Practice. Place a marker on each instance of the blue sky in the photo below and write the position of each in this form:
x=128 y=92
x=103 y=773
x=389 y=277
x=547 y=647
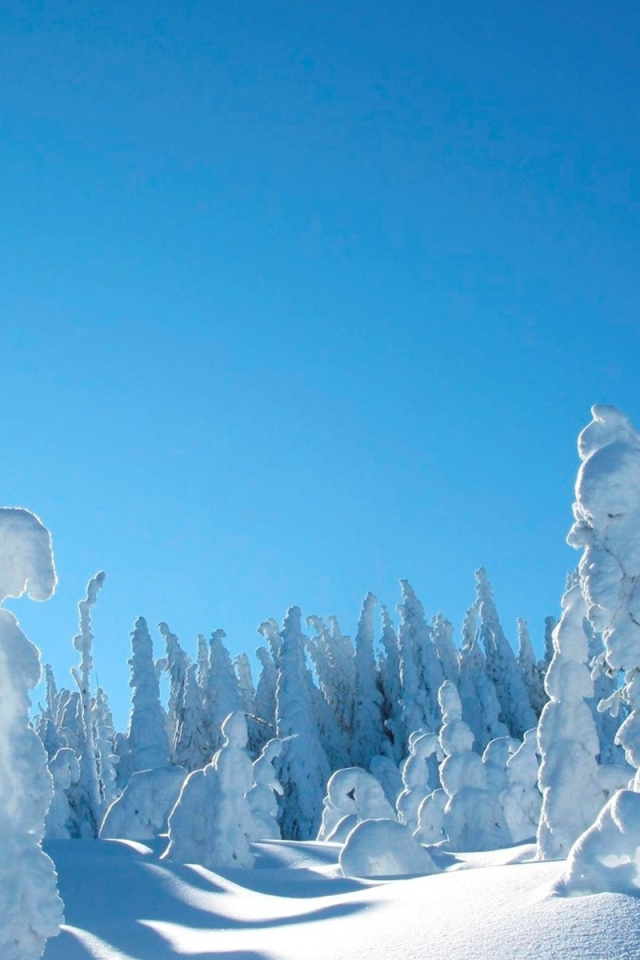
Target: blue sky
x=300 y=298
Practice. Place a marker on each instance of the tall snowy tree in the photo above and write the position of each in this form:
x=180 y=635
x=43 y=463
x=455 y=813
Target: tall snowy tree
x=567 y=737
x=86 y=793
x=147 y=733
x=368 y=733
x=420 y=669
x=303 y=770
x=333 y=658
x=480 y=706
x=266 y=691
x=442 y=633
x=223 y=693
x=177 y=663
x=30 y=907
x=192 y=736
x=607 y=527
x=502 y=666
x=392 y=711
x=529 y=668
x=105 y=752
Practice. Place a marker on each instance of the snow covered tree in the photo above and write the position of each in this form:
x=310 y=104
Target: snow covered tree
x=480 y=706
x=263 y=796
x=177 y=663
x=104 y=743
x=607 y=526
x=368 y=733
x=65 y=771
x=521 y=800
x=392 y=711
x=353 y=795
x=266 y=690
x=417 y=778
x=442 y=633
x=86 y=794
x=223 y=693
x=147 y=733
x=567 y=737
x=529 y=669
x=473 y=817
x=333 y=658
x=211 y=822
x=258 y=735
x=192 y=735
x=420 y=669
x=502 y=666
x=30 y=907
x=304 y=769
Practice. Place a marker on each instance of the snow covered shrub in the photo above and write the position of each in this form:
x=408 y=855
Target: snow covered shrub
x=416 y=776
x=30 y=908
x=606 y=857
x=263 y=795
x=142 y=810
x=211 y=822
x=384 y=848
x=64 y=770
x=355 y=794
x=521 y=800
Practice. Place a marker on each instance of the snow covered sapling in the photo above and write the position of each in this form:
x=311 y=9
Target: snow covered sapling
x=529 y=668
x=420 y=669
x=521 y=800
x=65 y=771
x=416 y=776
x=480 y=705
x=30 y=907
x=87 y=799
x=223 y=692
x=473 y=815
x=211 y=823
x=264 y=793
x=177 y=663
x=567 y=737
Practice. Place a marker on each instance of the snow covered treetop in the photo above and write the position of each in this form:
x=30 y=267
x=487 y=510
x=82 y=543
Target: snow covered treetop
x=608 y=482
x=26 y=557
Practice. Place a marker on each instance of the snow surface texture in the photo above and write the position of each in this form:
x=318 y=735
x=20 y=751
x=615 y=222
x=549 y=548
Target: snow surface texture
x=30 y=909
x=211 y=823
x=384 y=848
x=142 y=810
x=295 y=905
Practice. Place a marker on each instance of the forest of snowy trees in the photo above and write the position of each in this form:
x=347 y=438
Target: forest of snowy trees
x=398 y=739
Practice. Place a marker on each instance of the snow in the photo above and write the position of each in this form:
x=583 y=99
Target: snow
x=295 y=905
x=384 y=848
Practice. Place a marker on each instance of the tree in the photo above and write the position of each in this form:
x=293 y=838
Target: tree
x=147 y=733
x=502 y=667
x=368 y=733
x=30 y=907
x=304 y=769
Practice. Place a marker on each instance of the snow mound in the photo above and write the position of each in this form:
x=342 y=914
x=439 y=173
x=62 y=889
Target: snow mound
x=606 y=857
x=384 y=848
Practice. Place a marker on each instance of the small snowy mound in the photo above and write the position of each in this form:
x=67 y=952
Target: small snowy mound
x=384 y=848
x=606 y=858
x=142 y=810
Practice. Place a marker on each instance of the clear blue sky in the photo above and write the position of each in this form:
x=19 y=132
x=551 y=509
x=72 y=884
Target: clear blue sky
x=300 y=298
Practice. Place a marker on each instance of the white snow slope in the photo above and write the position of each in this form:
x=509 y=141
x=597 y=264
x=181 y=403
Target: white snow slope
x=123 y=903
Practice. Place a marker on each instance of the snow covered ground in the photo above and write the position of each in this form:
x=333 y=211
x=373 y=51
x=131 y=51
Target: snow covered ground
x=123 y=903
